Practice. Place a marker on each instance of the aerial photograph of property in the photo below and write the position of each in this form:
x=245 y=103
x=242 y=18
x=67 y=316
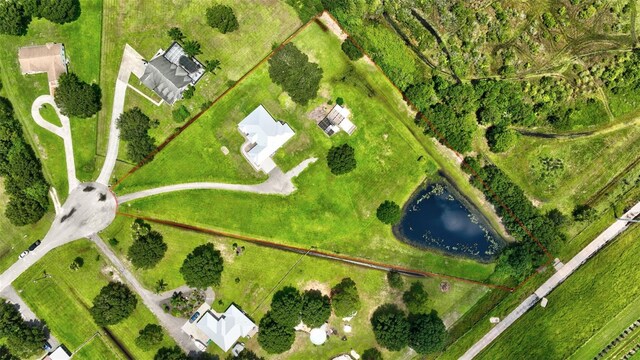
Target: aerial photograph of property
x=319 y=179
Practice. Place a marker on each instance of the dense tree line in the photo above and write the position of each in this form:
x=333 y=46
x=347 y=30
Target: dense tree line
x=148 y=247
x=23 y=179
x=509 y=199
x=291 y=69
x=134 y=128
x=15 y=15
x=77 y=98
x=23 y=339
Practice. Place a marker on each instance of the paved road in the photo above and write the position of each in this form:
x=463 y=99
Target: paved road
x=89 y=208
x=171 y=324
x=64 y=132
x=561 y=275
x=279 y=183
x=132 y=62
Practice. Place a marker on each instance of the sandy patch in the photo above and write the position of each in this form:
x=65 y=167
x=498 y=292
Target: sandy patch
x=332 y=25
x=111 y=272
x=316 y=285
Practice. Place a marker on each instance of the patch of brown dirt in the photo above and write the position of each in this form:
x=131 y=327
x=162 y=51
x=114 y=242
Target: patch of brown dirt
x=316 y=285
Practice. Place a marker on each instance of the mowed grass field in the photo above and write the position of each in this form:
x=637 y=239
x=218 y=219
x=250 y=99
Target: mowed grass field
x=144 y=25
x=82 y=45
x=262 y=271
x=334 y=213
x=63 y=300
x=578 y=310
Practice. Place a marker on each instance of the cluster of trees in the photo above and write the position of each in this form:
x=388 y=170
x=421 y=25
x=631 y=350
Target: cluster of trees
x=23 y=179
x=16 y=15
x=389 y=212
x=203 y=267
x=134 y=128
x=114 y=303
x=175 y=353
x=148 y=247
x=22 y=339
x=289 y=307
x=291 y=69
x=393 y=329
x=341 y=159
x=221 y=17
x=508 y=198
x=77 y=98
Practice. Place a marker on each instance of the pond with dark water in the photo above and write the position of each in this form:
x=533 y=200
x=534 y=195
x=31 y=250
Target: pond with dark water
x=438 y=218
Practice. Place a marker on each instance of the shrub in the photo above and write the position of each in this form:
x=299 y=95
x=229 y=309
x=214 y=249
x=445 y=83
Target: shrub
x=584 y=212
x=114 y=242
x=202 y=267
x=167 y=353
x=344 y=298
x=191 y=48
x=75 y=97
x=395 y=279
x=389 y=212
x=291 y=69
x=351 y=49
x=427 y=333
x=221 y=17
x=372 y=354
x=149 y=337
x=286 y=306
x=341 y=159
x=316 y=308
x=114 y=303
x=416 y=298
x=390 y=327
x=188 y=92
x=175 y=34
x=180 y=114
x=274 y=337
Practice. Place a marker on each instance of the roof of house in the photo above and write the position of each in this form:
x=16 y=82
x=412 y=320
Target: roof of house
x=47 y=58
x=176 y=55
x=226 y=329
x=60 y=353
x=264 y=134
x=165 y=79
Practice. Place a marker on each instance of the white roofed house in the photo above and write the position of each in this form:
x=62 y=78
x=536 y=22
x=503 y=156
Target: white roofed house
x=265 y=136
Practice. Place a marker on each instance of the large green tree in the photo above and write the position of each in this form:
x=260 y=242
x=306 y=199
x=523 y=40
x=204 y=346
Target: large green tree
x=416 y=298
x=291 y=69
x=286 y=306
x=344 y=298
x=427 y=333
x=60 y=11
x=501 y=138
x=341 y=159
x=170 y=353
x=114 y=303
x=14 y=20
x=390 y=327
x=221 y=17
x=274 y=337
x=316 y=308
x=134 y=128
x=151 y=335
x=389 y=212
x=76 y=98
x=202 y=267
x=147 y=249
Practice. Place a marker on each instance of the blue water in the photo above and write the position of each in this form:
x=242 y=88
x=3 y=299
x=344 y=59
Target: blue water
x=435 y=219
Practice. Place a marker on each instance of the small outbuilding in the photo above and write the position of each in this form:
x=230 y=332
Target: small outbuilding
x=49 y=58
x=60 y=353
x=336 y=120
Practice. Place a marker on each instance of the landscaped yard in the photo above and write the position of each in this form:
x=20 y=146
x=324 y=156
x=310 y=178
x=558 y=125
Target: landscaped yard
x=579 y=308
x=334 y=213
x=259 y=271
x=64 y=297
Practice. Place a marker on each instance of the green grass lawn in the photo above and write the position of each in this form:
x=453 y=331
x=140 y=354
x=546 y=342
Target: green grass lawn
x=260 y=271
x=63 y=301
x=144 y=24
x=610 y=280
x=334 y=213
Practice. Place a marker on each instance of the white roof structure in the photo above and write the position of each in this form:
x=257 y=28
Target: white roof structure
x=226 y=329
x=318 y=336
x=59 y=354
x=265 y=136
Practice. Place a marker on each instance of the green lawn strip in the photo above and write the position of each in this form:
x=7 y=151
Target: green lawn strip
x=98 y=349
x=83 y=132
x=14 y=239
x=587 y=161
x=143 y=25
x=609 y=332
x=569 y=320
x=49 y=114
x=260 y=269
x=63 y=299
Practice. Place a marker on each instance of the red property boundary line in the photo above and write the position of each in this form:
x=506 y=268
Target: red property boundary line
x=316 y=253
x=411 y=105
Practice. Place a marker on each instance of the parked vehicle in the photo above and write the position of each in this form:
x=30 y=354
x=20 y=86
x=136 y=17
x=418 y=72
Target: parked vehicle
x=47 y=346
x=34 y=245
x=194 y=317
x=24 y=253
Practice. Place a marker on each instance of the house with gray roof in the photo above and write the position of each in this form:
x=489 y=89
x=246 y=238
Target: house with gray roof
x=170 y=72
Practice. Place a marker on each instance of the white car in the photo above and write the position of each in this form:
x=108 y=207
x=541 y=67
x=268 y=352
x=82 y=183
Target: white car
x=24 y=253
